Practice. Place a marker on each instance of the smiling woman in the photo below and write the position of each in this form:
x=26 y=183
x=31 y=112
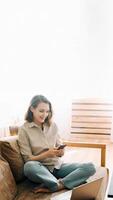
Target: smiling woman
x=42 y=151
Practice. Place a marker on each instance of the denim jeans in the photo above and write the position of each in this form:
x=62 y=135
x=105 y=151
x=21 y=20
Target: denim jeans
x=71 y=174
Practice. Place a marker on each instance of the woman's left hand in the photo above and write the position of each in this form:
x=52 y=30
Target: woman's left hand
x=60 y=152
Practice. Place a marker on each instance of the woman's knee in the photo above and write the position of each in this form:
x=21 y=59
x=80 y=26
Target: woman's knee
x=31 y=167
x=89 y=168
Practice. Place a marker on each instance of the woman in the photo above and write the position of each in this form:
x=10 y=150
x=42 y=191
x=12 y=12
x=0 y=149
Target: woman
x=39 y=143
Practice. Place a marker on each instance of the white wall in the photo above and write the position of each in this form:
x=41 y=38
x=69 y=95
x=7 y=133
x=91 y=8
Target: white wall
x=62 y=49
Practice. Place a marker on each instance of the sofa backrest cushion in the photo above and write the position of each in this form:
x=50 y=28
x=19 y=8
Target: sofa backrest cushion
x=10 y=151
x=8 y=188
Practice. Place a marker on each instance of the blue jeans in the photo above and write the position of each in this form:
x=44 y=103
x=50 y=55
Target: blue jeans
x=71 y=175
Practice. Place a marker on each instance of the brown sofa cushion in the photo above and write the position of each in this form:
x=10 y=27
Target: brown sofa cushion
x=8 y=187
x=10 y=151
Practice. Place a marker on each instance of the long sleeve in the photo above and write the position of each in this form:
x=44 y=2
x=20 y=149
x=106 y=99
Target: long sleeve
x=24 y=144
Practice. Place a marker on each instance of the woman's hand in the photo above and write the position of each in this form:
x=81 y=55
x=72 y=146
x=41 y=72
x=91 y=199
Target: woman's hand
x=50 y=153
x=61 y=152
x=55 y=152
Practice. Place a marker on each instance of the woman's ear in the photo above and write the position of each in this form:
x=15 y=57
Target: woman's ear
x=31 y=109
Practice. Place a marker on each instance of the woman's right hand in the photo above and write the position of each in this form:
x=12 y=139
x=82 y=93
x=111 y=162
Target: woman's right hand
x=52 y=152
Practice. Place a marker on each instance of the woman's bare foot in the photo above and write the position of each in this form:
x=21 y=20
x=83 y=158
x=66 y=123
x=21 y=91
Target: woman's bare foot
x=41 y=190
x=60 y=186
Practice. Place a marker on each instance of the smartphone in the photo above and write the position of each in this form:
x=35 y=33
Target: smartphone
x=61 y=146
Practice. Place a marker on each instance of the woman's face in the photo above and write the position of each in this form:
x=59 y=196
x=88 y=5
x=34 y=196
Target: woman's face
x=40 y=113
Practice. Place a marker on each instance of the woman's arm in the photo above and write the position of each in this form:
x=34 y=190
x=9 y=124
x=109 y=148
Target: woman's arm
x=50 y=153
x=24 y=144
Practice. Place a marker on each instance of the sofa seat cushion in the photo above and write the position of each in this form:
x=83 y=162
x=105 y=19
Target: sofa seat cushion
x=25 y=192
x=8 y=188
x=10 y=151
x=25 y=188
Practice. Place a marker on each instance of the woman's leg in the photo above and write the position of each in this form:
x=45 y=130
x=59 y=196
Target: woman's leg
x=74 y=174
x=38 y=173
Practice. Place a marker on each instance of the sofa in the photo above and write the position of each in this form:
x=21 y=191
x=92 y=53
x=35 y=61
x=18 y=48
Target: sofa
x=15 y=186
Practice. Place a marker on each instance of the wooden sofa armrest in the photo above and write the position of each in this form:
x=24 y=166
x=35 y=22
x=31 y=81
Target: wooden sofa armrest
x=101 y=146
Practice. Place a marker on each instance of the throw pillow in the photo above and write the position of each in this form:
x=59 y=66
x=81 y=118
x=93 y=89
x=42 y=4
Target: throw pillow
x=8 y=187
x=10 y=151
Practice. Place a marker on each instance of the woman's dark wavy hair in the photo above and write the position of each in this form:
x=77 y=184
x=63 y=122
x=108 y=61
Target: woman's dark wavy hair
x=34 y=103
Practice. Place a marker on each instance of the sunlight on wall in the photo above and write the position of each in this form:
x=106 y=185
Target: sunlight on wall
x=61 y=49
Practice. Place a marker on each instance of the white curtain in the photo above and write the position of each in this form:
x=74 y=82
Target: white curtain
x=61 y=49
x=4 y=131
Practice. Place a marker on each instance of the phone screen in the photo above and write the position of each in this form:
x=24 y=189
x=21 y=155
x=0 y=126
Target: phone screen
x=62 y=146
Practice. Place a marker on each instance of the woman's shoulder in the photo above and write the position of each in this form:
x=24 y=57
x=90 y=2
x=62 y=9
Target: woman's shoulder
x=24 y=126
x=23 y=129
x=54 y=125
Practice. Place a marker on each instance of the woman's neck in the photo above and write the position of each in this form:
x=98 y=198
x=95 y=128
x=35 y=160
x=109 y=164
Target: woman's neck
x=39 y=124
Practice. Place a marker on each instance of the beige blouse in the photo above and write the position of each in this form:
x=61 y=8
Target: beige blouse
x=33 y=141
